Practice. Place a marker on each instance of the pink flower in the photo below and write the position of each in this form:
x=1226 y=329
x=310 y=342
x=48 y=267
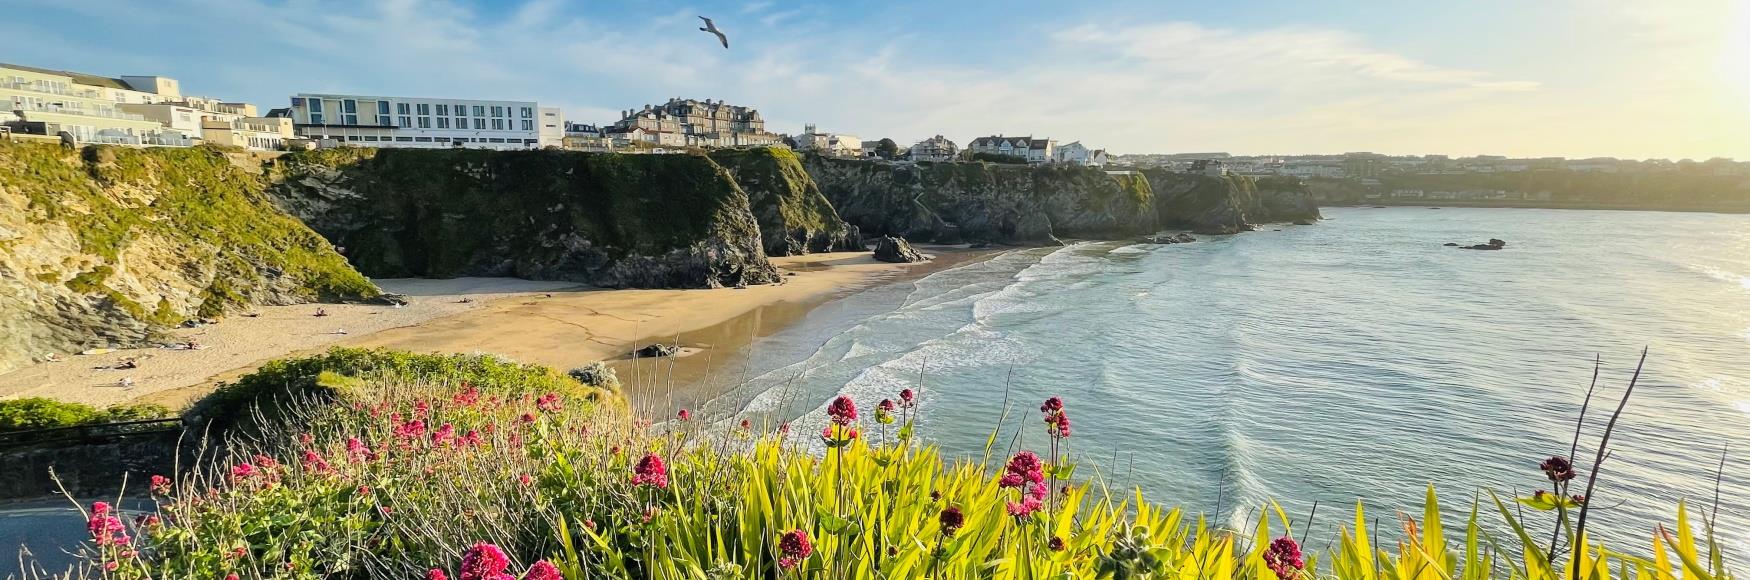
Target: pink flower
x=160 y=485
x=746 y=425
x=1056 y=420
x=685 y=415
x=884 y=411
x=313 y=461
x=472 y=437
x=1025 y=471
x=484 y=562
x=356 y=451
x=467 y=397
x=436 y=574
x=1284 y=558
x=794 y=548
x=542 y=570
x=444 y=435
x=106 y=529
x=528 y=417
x=550 y=403
x=907 y=397
x=650 y=471
x=422 y=409
x=525 y=479
x=842 y=410
x=242 y=471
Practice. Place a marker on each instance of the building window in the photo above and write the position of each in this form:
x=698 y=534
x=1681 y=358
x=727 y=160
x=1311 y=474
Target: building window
x=383 y=120
x=496 y=140
x=528 y=113
x=315 y=105
x=401 y=139
x=443 y=110
x=529 y=125
x=424 y=109
x=498 y=124
x=315 y=118
x=479 y=111
x=370 y=137
x=382 y=107
x=401 y=108
x=479 y=123
x=349 y=106
x=530 y=141
x=422 y=139
x=443 y=122
x=350 y=119
x=498 y=111
x=461 y=123
x=404 y=122
x=352 y=137
x=425 y=122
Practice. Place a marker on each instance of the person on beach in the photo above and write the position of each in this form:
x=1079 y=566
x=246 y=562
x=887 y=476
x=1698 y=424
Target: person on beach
x=127 y=363
x=321 y=312
x=193 y=344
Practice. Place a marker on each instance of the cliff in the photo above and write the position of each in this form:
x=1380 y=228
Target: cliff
x=794 y=217
x=1229 y=204
x=109 y=245
x=984 y=202
x=606 y=219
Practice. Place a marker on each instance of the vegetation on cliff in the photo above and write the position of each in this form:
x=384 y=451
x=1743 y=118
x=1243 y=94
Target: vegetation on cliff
x=794 y=217
x=600 y=218
x=440 y=472
x=42 y=413
x=108 y=244
x=1230 y=203
x=952 y=202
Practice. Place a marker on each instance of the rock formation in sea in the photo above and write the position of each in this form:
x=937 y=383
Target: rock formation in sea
x=1228 y=204
x=894 y=249
x=607 y=219
x=108 y=246
x=984 y=202
x=794 y=217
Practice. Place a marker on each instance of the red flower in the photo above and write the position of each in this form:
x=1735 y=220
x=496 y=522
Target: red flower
x=794 y=547
x=525 y=479
x=484 y=562
x=1051 y=404
x=906 y=397
x=1025 y=472
x=467 y=397
x=1283 y=558
x=242 y=471
x=160 y=484
x=685 y=415
x=444 y=435
x=550 y=403
x=650 y=471
x=842 y=410
x=106 y=529
x=356 y=451
x=313 y=461
x=746 y=425
x=436 y=574
x=528 y=417
x=542 y=570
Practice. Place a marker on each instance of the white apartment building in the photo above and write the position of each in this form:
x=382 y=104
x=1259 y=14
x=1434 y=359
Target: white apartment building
x=368 y=121
x=830 y=144
x=1033 y=150
x=1075 y=153
x=130 y=110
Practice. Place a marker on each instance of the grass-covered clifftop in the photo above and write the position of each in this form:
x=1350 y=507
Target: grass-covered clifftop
x=794 y=217
x=976 y=201
x=601 y=218
x=106 y=245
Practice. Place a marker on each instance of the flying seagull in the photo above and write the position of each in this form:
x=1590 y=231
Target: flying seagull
x=711 y=27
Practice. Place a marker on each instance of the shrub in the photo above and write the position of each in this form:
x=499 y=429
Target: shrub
x=596 y=374
x=325 y=377
x=43 y=413
x=998 y=158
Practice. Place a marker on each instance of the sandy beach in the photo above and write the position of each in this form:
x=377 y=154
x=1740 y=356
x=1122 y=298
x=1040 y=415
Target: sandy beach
x=557 y=324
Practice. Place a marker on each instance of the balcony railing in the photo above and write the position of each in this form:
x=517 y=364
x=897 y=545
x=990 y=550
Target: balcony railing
x=51 y=90
x=102 y=113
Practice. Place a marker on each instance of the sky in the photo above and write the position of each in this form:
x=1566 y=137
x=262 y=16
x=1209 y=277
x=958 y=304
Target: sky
x=1572 y=78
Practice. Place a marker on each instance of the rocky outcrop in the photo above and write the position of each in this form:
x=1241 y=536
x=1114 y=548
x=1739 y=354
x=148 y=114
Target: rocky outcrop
x=612 y=220
x=794 y=217
x=895 y=250
x=107 y=246
x=1494 y=244
x=1228 y=204
x=984 y=202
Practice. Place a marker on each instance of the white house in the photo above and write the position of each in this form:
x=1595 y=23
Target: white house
x=832 y=144
x=420 y=122
x=1076 y=153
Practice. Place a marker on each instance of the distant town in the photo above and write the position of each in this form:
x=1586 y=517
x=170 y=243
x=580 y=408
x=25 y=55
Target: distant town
x=83 y=108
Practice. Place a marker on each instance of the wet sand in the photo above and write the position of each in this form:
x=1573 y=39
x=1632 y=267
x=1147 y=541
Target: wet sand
x=552 y=323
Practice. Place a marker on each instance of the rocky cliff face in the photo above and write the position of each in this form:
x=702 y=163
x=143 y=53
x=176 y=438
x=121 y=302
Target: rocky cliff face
x=1230 y=204
x=670 y=221
x=794 y=217
x=954 y=202
x=109 y=245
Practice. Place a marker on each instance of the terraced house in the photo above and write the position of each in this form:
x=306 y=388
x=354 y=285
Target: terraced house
x=128 y=110
x=1034 y=150
x=419 y=122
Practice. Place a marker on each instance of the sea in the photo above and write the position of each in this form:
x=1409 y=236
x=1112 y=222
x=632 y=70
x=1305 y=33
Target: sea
x=1357 y=360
